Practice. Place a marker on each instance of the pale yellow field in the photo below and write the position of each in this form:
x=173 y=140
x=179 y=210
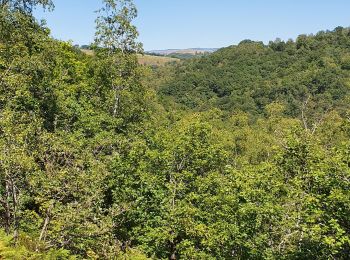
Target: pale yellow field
x=145 y=59
x=88 y=52
x=155 y=60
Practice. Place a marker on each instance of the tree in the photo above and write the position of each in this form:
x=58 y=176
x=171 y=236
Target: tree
x=117 y=67
x=115 y=31
x=156 y=188
x=26 y=6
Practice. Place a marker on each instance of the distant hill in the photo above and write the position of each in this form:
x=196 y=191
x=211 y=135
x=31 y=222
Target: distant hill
x=183 y=51
x=247 y=77
x=150 y=60
x=158 y=57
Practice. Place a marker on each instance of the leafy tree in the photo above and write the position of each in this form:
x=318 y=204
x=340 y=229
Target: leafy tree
x=114 y=29
x=26 y=6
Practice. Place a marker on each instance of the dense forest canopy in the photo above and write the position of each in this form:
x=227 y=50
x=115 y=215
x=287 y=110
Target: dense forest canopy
x=239 y=154
x=251 y=75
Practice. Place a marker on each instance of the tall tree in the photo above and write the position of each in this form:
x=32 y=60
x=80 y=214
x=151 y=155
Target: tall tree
x=114 y=26
x=116 y=47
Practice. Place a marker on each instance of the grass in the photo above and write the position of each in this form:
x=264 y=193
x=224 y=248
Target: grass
x=148 y=60
x=151 y=60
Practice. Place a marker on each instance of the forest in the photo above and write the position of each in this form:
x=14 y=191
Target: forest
x=239 y=154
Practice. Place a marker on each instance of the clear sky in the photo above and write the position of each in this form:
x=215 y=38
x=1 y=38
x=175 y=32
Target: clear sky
x=166 y=24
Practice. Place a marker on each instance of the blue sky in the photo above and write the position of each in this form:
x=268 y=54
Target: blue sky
x=166 y=24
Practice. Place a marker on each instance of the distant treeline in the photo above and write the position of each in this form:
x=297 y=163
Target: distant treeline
x=251 y=75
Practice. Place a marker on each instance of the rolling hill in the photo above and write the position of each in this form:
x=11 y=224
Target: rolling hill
x=152 y=60
x=145 y=59
x=251 y=75
x=192 y=51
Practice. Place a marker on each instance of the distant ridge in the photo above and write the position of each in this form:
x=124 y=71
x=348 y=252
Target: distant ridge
x=183 y=51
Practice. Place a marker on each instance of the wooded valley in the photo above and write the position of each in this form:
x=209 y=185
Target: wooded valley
x=239 y=154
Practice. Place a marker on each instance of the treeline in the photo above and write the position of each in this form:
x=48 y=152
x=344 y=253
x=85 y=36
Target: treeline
x=241 y=154
x=251 y=75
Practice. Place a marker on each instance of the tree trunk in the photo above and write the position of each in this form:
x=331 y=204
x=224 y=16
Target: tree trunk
x=7 y=209
x=15 y=208
x=46 y=223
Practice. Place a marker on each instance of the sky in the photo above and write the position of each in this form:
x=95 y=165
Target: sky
x=179 y=24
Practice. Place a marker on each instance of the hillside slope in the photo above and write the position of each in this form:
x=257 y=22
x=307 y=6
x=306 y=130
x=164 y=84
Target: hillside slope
x=144 y=59
x=152 y=60
x=247 y=77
